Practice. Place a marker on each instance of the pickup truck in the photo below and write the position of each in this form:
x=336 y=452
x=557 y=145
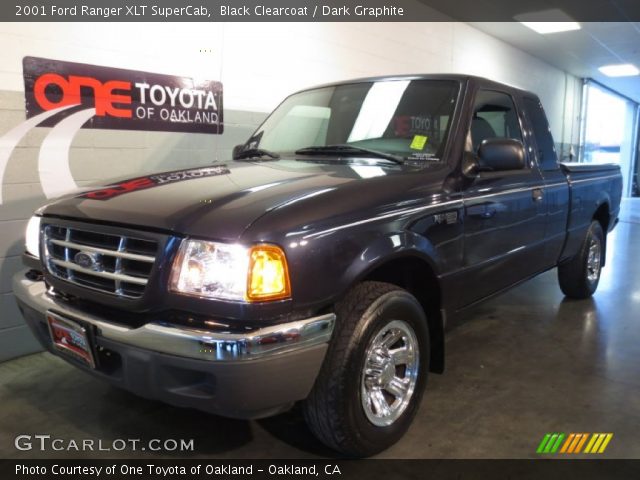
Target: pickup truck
x=320 y=265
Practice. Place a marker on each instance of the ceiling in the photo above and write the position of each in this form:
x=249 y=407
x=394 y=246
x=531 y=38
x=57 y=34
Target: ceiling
x=607 y=35
x=505 y=10
x=580 y=52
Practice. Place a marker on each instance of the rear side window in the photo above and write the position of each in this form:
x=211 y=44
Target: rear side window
x=494 y=116
x=547 y=157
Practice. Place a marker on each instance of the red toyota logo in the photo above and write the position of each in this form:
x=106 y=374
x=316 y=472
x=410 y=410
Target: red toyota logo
x=105 y=94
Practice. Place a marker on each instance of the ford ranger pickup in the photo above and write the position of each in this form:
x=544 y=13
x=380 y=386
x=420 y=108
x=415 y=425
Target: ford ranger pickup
x=320 y=264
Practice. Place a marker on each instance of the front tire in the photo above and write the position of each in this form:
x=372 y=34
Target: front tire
x=580 y=276
x=374 y=374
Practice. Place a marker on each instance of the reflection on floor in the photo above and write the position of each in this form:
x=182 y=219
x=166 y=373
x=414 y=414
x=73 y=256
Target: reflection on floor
x=524 y=364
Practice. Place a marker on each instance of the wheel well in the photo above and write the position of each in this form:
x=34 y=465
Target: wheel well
x=417 y=277
x=602 y=215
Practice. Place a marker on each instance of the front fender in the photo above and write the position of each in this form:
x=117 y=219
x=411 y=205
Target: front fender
x=389 y=247
x=323 y=269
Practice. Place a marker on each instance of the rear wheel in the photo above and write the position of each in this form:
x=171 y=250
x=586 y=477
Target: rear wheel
x=580 y=276
x=372 y=380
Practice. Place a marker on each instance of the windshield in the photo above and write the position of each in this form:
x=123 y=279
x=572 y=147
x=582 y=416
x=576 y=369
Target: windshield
x=406 y=118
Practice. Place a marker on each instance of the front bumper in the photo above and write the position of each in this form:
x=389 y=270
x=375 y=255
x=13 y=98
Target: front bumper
x=247 y=375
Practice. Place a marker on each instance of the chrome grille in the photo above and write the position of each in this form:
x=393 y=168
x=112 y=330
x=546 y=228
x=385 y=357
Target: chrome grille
x=116 y=264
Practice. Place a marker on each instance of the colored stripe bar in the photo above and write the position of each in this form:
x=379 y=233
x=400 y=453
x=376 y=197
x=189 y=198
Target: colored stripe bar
x=543 y=443
x=554 y=449
x=605 y=443
x=574 y=444
x=594 y=437
x=551 y=443
x=567 y=443
x=599 y=440
x=581 y=443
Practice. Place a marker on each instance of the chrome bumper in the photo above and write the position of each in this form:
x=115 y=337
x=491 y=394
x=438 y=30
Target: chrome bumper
x=183 y=341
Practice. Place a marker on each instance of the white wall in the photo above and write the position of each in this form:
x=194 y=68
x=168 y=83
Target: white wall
x=259 y=64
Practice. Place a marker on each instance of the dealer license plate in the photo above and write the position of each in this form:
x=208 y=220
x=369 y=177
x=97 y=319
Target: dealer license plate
x=70 y=338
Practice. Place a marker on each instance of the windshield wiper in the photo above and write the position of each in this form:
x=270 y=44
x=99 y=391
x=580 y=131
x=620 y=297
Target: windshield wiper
x=345 y=149
x=255 y=153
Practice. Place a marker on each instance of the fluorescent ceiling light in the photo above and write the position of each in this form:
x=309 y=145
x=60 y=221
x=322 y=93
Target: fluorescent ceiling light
x=548 y=21
x=551 y=27
x=621 y=70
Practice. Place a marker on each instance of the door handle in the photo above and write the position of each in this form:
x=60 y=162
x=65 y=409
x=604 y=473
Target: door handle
x=489 y=212
x=537 y=194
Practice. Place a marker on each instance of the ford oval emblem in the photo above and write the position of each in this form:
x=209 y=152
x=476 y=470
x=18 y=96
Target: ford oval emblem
x=88 y=260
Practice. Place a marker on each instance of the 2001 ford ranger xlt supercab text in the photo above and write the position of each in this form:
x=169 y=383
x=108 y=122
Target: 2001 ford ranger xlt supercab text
x=318 y=266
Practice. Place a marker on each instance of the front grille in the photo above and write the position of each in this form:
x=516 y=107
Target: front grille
x=116 y=264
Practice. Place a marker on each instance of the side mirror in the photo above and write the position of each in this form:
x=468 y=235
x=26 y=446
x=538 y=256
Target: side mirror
x=236 y=150
x=497 y=154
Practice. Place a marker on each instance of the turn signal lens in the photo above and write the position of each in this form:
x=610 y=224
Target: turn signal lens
x=268 y=274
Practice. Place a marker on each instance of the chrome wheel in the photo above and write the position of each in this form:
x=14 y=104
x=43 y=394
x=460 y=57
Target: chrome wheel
x=593 y=260
x=390 y=373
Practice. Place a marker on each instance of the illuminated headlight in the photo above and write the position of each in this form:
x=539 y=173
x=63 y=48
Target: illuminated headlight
x=32 y=237
x=230 y=272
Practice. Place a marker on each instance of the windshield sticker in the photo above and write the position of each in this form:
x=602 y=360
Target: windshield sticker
x=418 y=142
x=427 y=157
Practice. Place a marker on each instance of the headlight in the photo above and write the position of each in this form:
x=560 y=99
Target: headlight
x=32 y=237
x=230 y=272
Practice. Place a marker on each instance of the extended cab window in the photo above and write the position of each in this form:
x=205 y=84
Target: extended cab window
x=494 y=116
x=406 y=118
x=547 y=157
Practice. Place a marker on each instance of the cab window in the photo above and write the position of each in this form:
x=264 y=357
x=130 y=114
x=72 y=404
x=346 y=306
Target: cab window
x=494 y=116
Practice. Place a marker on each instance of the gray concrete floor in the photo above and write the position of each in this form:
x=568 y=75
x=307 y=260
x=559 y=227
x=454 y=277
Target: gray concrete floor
x=523 y=364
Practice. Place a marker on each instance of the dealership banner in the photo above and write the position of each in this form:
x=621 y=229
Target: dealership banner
x=314 y=10
x=115 y=98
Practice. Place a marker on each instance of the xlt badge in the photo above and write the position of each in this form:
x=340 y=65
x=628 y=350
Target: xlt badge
x=447 y=218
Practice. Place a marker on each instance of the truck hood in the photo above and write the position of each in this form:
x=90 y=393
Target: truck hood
x=221 y=201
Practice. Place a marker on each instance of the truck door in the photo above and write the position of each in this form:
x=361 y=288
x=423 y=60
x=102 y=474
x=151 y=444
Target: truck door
x=504 y=211
x=555 y=182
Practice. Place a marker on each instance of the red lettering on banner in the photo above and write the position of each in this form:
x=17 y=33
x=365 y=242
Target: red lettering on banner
x=103 y=94
x=51 y=79
x=109 y=87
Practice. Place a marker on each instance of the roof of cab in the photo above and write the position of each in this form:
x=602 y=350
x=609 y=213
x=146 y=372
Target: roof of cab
x=423 y=76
